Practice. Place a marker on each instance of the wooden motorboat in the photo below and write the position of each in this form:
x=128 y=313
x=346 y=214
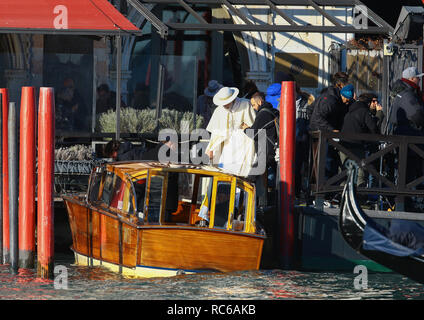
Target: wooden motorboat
x=379 y=243
x=143 y=219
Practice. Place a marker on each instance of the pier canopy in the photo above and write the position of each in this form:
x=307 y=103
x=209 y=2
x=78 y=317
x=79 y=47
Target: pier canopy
x=279 y=7
x=82 y=17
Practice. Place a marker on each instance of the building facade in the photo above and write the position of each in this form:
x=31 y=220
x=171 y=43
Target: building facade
x=191 y=58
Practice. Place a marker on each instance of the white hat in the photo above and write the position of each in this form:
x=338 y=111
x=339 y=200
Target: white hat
x=411 y=72
x=225 y=96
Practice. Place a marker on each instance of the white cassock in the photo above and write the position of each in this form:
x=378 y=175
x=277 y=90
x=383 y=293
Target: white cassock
x=232 y=149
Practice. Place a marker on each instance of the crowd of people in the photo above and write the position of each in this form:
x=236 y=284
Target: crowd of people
x=235 y=124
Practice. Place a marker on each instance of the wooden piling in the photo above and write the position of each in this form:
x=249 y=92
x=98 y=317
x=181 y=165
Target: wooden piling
x=287 y=158
x=13 y=186
x=27 y=179
x=1 y=180
x=45 y=219
x=5 y=176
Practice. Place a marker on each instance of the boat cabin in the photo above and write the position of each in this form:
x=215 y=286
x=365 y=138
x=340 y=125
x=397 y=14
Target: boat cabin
x=150 y=193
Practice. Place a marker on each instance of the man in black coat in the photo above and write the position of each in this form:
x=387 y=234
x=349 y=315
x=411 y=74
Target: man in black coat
x=407 y=112
x=265 y=119
x=123 y=151
x=327 y=114
x=265 y=115
x=407 y=118
x=358 y=120
x=329 y=110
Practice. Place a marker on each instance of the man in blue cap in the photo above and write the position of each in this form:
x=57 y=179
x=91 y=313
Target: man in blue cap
x=347 y=94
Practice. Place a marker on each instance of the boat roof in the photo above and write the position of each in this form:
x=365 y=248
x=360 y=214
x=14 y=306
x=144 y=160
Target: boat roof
x=133 y=168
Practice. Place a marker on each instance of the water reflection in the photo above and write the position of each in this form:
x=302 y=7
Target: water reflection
x=86 y=283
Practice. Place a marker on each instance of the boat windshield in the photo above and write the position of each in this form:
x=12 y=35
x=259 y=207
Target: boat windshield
x=222 y=206
x=95 y=184
x=240 y=209
x=140 y=195
x=155 y=199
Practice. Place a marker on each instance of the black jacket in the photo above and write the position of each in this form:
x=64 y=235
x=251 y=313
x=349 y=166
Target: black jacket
x=407 y=111
x=328 y=111
x=265 y=120
x=358 y=120
x=127 y=152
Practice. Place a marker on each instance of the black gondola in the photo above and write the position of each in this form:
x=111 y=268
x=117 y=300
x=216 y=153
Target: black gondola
x=399 y=247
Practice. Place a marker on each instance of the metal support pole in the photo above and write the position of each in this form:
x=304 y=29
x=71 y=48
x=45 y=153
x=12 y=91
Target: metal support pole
x=5 y=175
x=161 y=78
x=118 y=85
x=13 y=187
x=94 y=100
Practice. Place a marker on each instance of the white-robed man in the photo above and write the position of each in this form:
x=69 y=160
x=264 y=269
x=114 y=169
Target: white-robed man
x=229 y=147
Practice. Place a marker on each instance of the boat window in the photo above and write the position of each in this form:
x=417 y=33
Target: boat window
x=140 y=195
x=222 y=205
x=155 y=199
x=118 y=194
x=185 y=186
x=95 y=180
x=205 y=188
x=204 y=196
x=127 y=201
x=172 y=195
x=240 y=209
x=108 y=188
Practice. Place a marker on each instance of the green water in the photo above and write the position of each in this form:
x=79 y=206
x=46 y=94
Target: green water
x=87 y=283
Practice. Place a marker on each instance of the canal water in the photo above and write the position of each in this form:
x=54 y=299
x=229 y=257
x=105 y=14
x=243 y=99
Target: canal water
x=87 y=283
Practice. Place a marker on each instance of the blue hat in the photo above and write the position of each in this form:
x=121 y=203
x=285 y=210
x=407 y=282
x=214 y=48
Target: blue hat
x=273 y=94
x=212 y=88
x=347 y=91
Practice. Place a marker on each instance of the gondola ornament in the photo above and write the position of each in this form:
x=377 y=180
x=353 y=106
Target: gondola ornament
x=399 y=247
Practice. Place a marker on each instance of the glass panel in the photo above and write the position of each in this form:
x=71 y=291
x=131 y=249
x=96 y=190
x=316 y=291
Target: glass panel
x=113 y=191
x=93 y=191
x=107 y=188
x=140 y=194
x=179 y=96
x=172 y=195
x=222 y=204
x=204 y=197
x=240 y=209
x=73 y=89
x=117 y=201
x=178 y=197
x=155 y=199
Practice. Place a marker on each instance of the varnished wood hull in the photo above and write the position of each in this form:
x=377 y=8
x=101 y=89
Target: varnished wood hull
x=104 y=237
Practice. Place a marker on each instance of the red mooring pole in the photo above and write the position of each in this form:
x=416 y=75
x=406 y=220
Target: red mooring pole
x=27 y=179
x=45 y=221
x=5 y=171
x=287 y=165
